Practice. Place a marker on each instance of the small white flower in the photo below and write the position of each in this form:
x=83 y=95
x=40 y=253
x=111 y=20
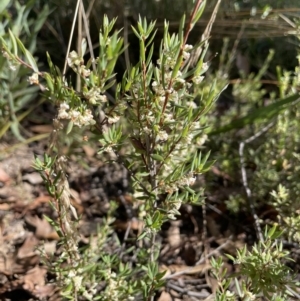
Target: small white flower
x=154 y=84
x=64 y=106
x=77 y=280
x=201 y=140
x=180 y=80
x=250 y=295
x=103 y=98
x=113 y=119
x=147 y=130
x=229 y=294
x=162 y=135
x=74 y=114
x=191 y=181
x=109 y=149
x=192 y=104
x=188 y=47
x=198 y=79
x=73 y=59
x=34 y=79
x=169 y=118
x=87 y=295
x=205 y=67
x=186 y=55
x=84 y=71
x=63 y=115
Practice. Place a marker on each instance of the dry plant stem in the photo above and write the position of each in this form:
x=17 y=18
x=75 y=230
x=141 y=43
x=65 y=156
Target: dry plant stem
x=204 y=231
x=79 y=41
x=88 y=36
x=287 y=20
x=126 y=52
x=205 y=36
x=234 y=49
x=186 y=35
x=71 y=37
x=91 y=5
x=245 y=180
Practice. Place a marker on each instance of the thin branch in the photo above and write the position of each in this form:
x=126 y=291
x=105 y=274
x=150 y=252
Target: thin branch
x=245 y=180
x=125 y=31
x=71 y=37
x=88 y=36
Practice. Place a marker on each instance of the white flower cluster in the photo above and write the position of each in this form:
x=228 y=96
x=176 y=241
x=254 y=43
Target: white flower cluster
x=34 y=79
x=178 y=89
x=74 y=60
x=113 y=119
x=112 y=291
x=186 y=51
x=94 y=96
x=76 y=63
x=187 y=180
x=78 y=118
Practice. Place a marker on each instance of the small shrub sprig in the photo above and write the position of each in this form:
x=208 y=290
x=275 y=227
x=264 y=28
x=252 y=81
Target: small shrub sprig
x=262 y=272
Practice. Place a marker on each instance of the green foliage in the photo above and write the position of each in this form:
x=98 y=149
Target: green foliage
x=262 y=272
x=15 y=95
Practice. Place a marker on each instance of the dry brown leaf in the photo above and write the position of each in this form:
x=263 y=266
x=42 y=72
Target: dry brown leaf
x=4 y=177
x=28 y=247
x=165 y=296
x=41 y=128
x=33 y=178
x=89 y=151
x=43 y=229
x=37 y=202
x=45 y=291
x=5 y=207
x=35 y=276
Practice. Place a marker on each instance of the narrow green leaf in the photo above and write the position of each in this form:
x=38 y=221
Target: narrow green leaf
x=14 y=43
x=259 y=115
x=143 y=235
x=157 y=157
x=181 y=28
x=150 y=55
x=199 y=12
x=135 y=32
x=70 y=127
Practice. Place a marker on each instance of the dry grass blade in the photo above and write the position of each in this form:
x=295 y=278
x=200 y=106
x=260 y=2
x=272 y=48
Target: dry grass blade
x=205 y=36
x=71 y=37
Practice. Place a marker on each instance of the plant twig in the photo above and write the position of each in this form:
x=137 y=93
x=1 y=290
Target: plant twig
x=71 y=38
x=245 y=180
